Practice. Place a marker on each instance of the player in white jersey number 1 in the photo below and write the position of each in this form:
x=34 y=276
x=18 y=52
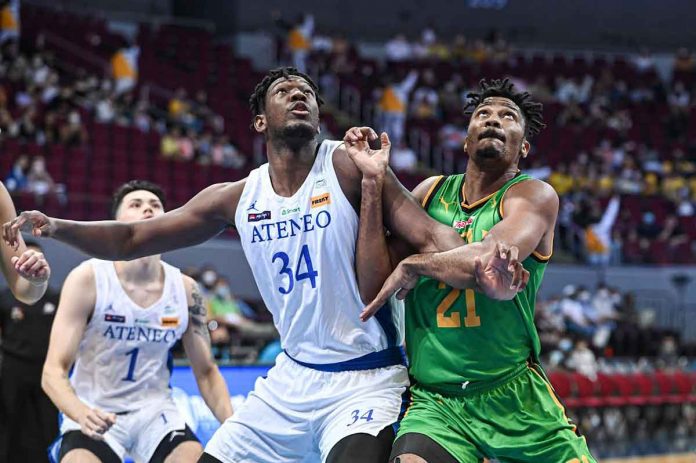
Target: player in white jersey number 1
x=116 y=322
x=337 y=389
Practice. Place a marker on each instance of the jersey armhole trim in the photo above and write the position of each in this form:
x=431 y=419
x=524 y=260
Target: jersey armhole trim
x=431 y=192
x=539 y=257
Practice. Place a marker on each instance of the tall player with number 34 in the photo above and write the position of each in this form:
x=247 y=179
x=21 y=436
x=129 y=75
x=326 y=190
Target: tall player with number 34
x=338 y=387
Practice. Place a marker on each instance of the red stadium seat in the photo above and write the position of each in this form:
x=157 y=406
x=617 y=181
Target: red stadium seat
x=586 y=391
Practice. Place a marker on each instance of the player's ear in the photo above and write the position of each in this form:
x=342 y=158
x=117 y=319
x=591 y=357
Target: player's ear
x=260 y=123
x=524 y=150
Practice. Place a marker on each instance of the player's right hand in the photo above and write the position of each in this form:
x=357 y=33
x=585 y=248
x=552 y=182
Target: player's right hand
x=38 y=223
x=94 y=423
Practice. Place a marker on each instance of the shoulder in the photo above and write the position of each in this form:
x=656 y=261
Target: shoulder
x=220 y=199
x=193 y=291
x=535 y=193
x=343 y=165
x=81 y=276
x=426 y=188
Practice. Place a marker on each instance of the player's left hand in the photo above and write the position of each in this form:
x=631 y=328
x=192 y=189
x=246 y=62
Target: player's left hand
x=372 y=163
x=503 y=276
x=401 y=281
x=32 y=265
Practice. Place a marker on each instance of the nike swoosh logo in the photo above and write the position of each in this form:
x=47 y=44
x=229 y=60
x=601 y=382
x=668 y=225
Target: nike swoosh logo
x=176 y=433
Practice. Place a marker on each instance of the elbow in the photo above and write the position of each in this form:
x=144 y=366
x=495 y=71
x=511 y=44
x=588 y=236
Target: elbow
x=45 y=381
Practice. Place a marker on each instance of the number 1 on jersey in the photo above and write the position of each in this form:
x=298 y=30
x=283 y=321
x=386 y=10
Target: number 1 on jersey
x=131 y=366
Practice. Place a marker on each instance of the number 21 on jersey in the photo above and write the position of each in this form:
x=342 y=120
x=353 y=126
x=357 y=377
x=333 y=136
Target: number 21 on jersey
x=447 y=319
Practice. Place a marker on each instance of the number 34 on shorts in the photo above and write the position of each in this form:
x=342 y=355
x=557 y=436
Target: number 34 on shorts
x=357 y=415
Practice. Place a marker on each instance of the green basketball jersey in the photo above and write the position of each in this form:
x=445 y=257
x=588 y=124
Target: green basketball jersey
x=461 y=337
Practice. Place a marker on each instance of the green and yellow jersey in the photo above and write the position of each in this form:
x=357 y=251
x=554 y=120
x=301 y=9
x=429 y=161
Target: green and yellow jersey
x=460 y=339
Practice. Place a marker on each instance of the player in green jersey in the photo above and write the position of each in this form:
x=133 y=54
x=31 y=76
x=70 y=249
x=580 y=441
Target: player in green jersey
x=478 y=390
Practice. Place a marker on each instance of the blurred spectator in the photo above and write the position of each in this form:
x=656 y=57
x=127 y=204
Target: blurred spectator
x=232 y=321
x=644 y=61
x=300 y=42
x=668 y=355
x=9 y=21
x=17 y=178
x=398 y=49
x=223 y=153
x=392 y=105
x=124 y=69
x=574 y=314
x=105 y=112
x=40 y=182
x=583 y=360
x=169 y=144
x=598 y=236
x=403 y=158
x=684 y=61
x=73 y=133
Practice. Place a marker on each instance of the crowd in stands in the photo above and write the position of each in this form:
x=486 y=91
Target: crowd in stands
x=240 y=331
x=580 y=326
x=617 y=127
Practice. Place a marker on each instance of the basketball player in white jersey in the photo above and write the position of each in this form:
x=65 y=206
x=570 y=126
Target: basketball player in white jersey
x=116 y=323
x=26 y=270
x=337 y=389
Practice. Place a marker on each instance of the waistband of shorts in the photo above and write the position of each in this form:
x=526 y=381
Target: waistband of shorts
x=384 y=358
x=469 y=389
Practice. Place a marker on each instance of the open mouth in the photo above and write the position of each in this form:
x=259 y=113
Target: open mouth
x=299 y=108
x=492 y=134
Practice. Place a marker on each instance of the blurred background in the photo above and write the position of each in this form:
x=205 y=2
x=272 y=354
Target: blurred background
x=96 y=93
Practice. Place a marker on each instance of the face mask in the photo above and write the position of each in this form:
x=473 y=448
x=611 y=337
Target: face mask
x=565 y=345
x=209 y=278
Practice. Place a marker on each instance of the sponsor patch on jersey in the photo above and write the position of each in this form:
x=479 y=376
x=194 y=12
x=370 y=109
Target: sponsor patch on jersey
x=256 y=217
x=289 y=211
x=463 y=223
x=321 y=200
x=113 y=318
x=170 y=322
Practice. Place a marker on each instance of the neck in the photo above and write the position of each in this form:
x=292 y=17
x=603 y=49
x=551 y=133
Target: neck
x=289 y=166
x=145 y=269
x=480 y=182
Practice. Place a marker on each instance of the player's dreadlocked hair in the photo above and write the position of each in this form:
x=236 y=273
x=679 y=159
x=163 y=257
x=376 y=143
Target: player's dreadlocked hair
x=257 y=100
x=531 y=110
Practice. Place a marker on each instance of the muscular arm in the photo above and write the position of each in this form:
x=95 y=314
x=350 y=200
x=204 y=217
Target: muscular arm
x=74 y=310
x=203 y=217
x=402 y=214
x=530 y=209
x=23 y=289
x=196 y=342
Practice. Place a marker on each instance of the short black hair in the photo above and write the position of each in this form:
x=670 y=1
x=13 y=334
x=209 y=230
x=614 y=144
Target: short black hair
x=531 y=110
x=257 y=100
x=130 y=187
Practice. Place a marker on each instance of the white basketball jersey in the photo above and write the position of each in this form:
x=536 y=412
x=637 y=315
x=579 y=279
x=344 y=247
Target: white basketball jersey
x=301 y=250
x=124 y=358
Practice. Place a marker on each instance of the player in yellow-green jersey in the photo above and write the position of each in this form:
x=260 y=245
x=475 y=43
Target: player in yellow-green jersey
x=478 y=390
